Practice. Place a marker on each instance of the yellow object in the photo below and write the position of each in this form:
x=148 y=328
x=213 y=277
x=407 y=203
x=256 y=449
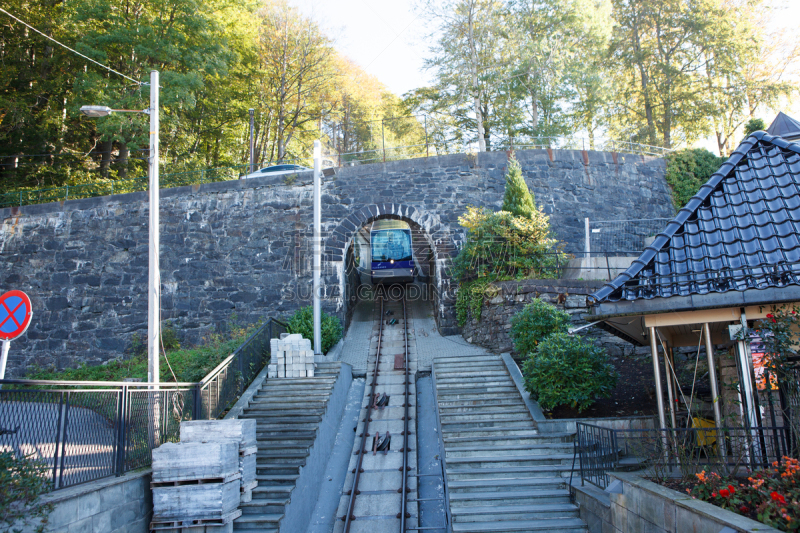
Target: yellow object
x=705 y=438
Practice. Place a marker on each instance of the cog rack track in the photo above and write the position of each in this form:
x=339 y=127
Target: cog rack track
x=372 y=404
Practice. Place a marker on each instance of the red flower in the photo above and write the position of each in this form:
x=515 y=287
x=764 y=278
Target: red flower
x=769 y=315
x=731 y=489
x=713 y=494
x=724 y=493
x=744 y=509
x=778 y=497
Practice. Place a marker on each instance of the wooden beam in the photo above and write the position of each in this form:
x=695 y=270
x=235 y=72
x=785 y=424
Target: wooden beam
x=692 y=317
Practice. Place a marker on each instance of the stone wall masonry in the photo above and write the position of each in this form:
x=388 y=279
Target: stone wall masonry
x=240 y=250
x=110 y=505
x=493 y=330
x=631 y=504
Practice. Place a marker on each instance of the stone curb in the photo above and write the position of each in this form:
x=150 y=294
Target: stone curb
x=516 y=375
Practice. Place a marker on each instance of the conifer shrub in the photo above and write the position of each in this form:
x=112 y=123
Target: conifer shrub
x=568 y=370
x=518 y=199
x=514 y=243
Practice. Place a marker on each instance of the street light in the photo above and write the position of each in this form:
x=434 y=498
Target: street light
x=154 y=278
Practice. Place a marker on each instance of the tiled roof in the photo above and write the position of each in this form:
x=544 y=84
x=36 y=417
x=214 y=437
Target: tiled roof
x=740 y=231
x=784 y=126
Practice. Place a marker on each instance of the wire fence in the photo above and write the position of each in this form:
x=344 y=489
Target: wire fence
x=93 y=430
x=612 y=236
x=398 y=139
x=87 y=430
x=223 y=386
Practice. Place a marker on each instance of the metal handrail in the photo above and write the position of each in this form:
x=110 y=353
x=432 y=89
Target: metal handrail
x=133 y=384
x=225 y=383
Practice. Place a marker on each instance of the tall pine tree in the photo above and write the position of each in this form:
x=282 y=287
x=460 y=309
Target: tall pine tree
x=518 y=200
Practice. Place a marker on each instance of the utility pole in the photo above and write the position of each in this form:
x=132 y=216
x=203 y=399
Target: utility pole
x=154 y=276
x=252 y=141
x=317 y=245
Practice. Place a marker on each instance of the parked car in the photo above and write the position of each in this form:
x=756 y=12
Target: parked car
x=277 y=170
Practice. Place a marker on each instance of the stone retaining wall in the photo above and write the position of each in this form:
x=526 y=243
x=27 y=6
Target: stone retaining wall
x=632 y=504
x=242 y=248
x=110 y=505
x=492 y=331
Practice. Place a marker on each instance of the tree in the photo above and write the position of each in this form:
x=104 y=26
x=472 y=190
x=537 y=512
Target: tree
x=517 y=200
x=296 y=59
x=466 y=59
x=753 y=125
x=658 y=50
x=748 y=68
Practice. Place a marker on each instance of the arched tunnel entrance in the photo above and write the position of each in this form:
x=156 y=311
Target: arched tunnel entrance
x=359 y=285
x=433 y=244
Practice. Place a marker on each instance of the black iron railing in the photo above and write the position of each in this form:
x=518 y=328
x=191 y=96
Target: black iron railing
x=684 y=451
x=91 y=431
x=88 y=430
x=220 y=389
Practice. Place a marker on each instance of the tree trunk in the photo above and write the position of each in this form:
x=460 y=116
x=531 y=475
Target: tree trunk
x=122 y=160
x=475 y=89
x=105 y=157
x=648 y=105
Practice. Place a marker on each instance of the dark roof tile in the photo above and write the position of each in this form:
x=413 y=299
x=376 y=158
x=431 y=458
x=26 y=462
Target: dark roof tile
x=739 y=232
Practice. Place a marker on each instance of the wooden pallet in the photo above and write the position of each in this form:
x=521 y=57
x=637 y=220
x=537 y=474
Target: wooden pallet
x=161 y=525
x=206 y=481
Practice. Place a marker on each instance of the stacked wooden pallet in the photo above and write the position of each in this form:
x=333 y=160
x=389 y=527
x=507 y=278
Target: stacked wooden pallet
x=199 y=483
x=241 y=431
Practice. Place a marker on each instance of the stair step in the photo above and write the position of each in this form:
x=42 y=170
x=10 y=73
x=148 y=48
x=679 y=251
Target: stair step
x=513 y=450
x=528 y=511
x=468 y=499
x=504 y=485
x=550 y=525
x=498 y=431
x=555 y=458
x=506 y=472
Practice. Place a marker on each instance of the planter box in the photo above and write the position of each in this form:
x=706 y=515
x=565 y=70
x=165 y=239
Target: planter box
x=632 y=504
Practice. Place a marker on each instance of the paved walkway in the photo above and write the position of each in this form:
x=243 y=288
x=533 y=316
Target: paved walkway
x=430 y=344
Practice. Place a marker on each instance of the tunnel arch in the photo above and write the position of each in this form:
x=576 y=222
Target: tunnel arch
x=442 y=241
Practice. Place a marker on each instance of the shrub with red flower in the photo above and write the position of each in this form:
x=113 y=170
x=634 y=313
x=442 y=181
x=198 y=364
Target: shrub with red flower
x=771 y=495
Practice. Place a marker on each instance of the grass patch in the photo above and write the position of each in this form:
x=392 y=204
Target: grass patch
x=190 y=364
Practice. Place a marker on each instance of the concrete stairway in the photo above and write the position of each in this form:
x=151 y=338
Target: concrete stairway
x=288 y=412
x=502 y=474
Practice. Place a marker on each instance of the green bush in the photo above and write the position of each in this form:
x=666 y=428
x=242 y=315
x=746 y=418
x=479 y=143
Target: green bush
x=566 y=370
x=536 y=321
x=688 y=170
x=518 y=199
x=302 y=322
x=501 y=246
x=22 y=482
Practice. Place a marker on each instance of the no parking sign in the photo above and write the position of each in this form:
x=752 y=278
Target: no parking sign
x=15 y=317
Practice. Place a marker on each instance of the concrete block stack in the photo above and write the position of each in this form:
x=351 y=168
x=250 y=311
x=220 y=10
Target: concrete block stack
x=292 y=357
x=199 y=483
x=240 y=431
x=195 y=485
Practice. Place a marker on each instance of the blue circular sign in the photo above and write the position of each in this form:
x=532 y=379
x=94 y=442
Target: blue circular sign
x=15 y=314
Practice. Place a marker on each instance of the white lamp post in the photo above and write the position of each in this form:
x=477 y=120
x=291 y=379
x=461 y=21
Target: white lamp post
x=154 y=281
x=317 y=245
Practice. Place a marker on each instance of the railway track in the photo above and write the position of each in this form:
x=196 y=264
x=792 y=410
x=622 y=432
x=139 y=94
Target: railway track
x=379 y=492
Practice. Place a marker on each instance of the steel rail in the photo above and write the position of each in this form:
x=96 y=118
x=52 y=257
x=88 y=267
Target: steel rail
x=406 y=401
x=349 y=516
